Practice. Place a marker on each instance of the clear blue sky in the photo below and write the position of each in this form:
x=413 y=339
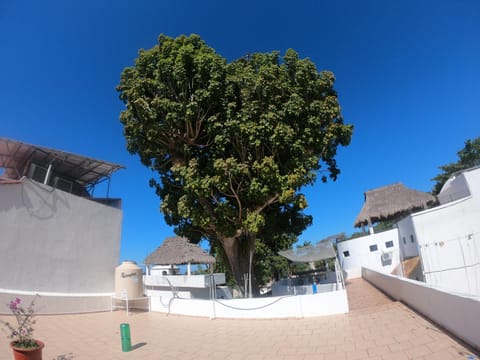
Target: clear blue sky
x=408 y=78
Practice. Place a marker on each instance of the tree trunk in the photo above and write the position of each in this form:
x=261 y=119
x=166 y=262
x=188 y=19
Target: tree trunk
x=237 y=252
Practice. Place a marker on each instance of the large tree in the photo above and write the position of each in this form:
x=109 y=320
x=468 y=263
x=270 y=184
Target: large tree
x=232 y=143
x=468 y=157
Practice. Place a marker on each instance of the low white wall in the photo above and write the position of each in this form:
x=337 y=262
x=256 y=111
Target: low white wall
x=456 y=313
x=58 y=303
x=299 y=306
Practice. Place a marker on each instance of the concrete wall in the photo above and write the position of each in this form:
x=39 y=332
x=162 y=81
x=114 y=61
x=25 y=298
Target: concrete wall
x=299 y=306
x=360 y=254
x=56 y=242
x=458 y=314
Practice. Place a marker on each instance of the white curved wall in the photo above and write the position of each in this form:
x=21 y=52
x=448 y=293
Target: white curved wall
x=455 y=188
x=299 y=306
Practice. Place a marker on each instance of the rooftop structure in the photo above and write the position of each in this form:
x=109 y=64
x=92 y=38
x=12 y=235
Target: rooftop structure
x=55 y=240
x=163 y=281
x=377 y=327
x=390 y=202
x=60 y=169
x=177 y=250
x=447 y=237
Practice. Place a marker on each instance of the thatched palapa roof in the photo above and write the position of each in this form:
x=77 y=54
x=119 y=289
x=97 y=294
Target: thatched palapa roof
x=390 y=201
x=177 y=250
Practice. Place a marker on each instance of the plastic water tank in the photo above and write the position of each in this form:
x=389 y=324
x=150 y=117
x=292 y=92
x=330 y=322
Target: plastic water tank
x=128 y=280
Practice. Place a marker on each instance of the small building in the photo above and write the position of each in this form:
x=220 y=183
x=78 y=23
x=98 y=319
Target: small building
x=447 y=237
x=162 y=278
x=57 y=239
x=378 y=251
x=390 y=203
x=381 y=251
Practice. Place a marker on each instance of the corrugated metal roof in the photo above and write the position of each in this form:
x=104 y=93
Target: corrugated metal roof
x=16 y=157
x=321 y=251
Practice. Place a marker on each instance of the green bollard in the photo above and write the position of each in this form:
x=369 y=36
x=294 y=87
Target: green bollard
x=125 y=334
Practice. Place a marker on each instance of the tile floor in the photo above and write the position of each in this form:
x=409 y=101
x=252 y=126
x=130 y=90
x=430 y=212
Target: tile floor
x=375 y=328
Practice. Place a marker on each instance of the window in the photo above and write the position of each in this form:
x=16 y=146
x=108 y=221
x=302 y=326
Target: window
x=373 y=248
x=412 y=239
x=404 y=241
x=389 y=244
x=346 y=253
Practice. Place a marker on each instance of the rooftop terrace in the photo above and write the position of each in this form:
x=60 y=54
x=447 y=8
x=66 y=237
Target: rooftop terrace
x=376 y=328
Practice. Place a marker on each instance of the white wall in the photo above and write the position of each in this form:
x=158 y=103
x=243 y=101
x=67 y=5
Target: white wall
x=360 y=254
x=56 y=242
x=407 y=238
x=184 y=281
x=299 y=306
x=456 y=187
x=448 y=238
x=458 y=314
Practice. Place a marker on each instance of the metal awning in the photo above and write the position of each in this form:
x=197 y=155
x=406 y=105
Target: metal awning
x=321 y=251
x=16 y=157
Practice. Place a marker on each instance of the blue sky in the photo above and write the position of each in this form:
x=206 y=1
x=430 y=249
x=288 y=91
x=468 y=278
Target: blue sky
x=407 y=72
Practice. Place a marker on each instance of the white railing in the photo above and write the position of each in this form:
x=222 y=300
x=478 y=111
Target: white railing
x=183 y=281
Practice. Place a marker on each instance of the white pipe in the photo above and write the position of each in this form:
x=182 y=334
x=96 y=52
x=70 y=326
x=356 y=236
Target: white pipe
x=47 y=176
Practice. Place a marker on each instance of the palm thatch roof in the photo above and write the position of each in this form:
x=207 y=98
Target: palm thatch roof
x=177 y=250
x=391 y=201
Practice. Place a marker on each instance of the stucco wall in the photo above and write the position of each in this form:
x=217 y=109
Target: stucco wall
x=55 y=242
x=360 y=254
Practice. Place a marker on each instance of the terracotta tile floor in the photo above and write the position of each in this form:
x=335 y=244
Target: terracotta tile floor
x=375 y=328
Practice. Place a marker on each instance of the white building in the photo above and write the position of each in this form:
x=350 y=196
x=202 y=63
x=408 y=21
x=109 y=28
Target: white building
x=378 y=251
x=162 y=278
x=447 y=237
x=56 y=239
